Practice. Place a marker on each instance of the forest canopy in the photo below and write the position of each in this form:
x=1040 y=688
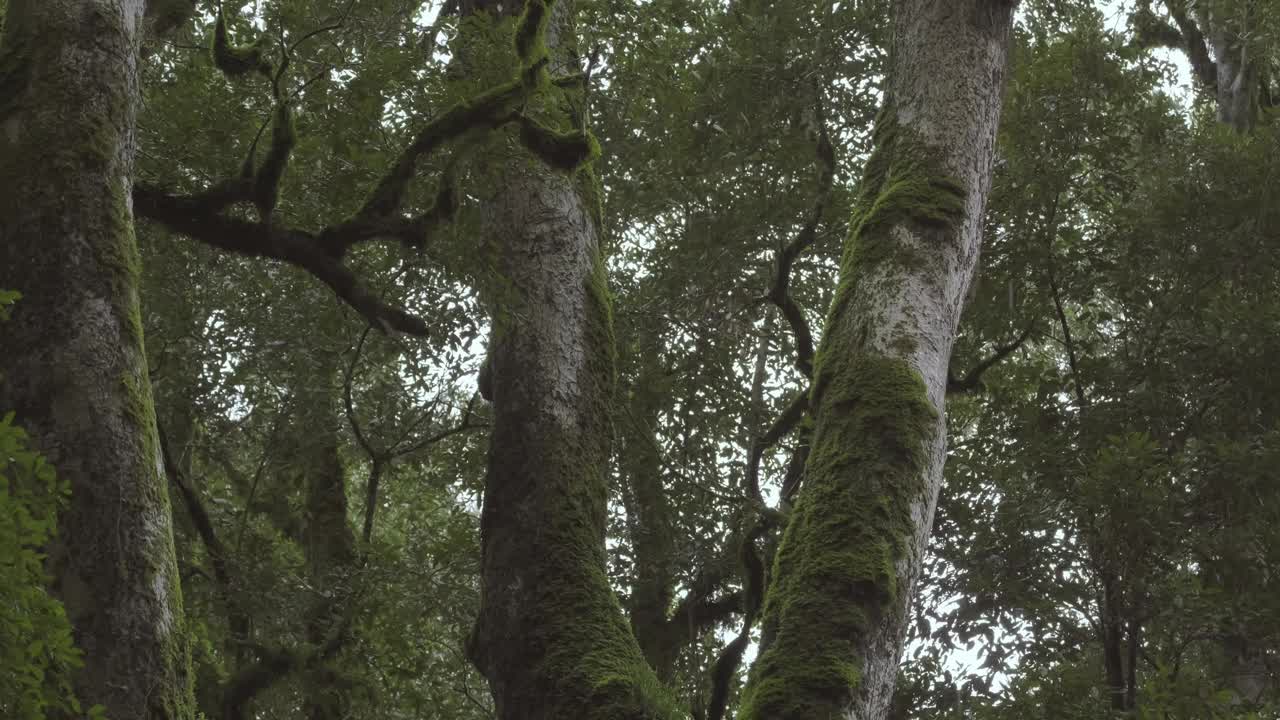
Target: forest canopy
x=639 y=360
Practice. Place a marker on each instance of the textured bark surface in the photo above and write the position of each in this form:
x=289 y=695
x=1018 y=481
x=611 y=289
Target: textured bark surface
x=551 y=638
x=845 y=569
x=73 y=363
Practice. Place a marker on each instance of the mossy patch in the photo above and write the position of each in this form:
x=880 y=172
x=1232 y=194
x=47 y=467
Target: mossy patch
x=835 y=574
x=237 y=60
x=904 y=181
x=835 y=577
x=284 y=135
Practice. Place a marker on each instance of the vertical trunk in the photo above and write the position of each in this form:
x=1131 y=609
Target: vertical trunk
x=328 y=539
x=652 y=534
x=1113 y=641
x=1237 y=77
x=852 y=549
x=73 y=362
x=1216 y=43
x=331 y=558
x=551 y=638
x=1131 y=669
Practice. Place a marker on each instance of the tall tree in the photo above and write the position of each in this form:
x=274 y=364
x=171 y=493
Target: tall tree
x=835 y=612
x=1230 y=47
x=74 y=368
x=551 y=638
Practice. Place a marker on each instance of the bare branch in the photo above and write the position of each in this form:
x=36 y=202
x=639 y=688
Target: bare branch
x=972 y=380
x=193 y=217
x=785 y=257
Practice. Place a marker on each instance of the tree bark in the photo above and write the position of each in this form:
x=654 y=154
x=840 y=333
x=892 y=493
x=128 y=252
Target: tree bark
x=1220 y=59
x=73 y=361
x=852 y=549
x=551 y=638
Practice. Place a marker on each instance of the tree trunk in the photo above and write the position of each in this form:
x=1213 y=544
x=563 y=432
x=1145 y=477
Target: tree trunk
x=1113 y=641
x=551 y=638
x=329 y=543
x=72 y=359
x=1237 y=76
x=652 y=535
x=852 y=549
x=1215 y=43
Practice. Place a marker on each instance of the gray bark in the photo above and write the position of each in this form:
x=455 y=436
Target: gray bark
x=551 y=638
x=852 y=549
x=1237 y=74
x=1214 y=42
x=73 y=362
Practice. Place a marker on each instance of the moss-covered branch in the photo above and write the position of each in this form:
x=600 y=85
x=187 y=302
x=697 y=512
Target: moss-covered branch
x=201 y=217
x=1194 y=44
x=752 y=561
x=237 y=60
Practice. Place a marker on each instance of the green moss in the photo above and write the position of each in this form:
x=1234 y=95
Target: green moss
x=835 y=576
x=600 y=319
x=565 y=151
x=237 y=60
x=530 y=30
x=903 y=182
x=179 y=699
x=284 y=135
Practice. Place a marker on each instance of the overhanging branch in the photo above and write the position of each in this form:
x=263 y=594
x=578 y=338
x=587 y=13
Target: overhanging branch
x=195 y=217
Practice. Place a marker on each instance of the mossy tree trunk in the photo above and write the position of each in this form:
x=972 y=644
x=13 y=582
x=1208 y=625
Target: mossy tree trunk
x=73 y=363
x=551 y=638
x=329 y=542
x=843 y=575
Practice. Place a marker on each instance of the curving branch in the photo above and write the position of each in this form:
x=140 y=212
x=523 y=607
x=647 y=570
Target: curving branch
x=785 y=256
x=199 y=517
x=752 y=561
x=203 y=216
x=972 y=380
x=199 y=218
x=1194 y=44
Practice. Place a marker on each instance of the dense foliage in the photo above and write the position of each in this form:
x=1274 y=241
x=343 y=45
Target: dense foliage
x=1109 y=533
x=36 y=653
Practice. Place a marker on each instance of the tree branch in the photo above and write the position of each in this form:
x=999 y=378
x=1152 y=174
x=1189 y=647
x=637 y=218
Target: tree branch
x=1194 y=44
x=785 y=256
x=198 y=217
x=199 y=515
x=972 y=380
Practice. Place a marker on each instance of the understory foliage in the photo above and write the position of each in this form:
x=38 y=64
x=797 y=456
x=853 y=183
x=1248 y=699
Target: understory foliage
x=37 y=656
x=1108 y=540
